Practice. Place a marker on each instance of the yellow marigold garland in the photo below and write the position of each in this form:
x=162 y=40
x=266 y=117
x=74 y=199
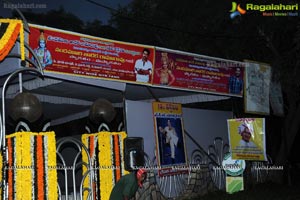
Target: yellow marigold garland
x=7 y=41
x=32 y=171
x=25 y=165
x=84 y=169
x=52 y=173
x=19 y=172
x=24 y=162
x=22 y=42
x=105 y=160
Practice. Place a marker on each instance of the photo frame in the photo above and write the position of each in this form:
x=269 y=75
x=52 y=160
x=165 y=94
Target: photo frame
x=169 y=134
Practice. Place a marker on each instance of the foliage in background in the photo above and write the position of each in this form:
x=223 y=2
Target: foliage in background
x=204 y=27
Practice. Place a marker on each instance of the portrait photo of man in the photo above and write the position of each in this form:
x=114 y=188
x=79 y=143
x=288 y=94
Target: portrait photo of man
x=143 y=67
x=247 y=133
x=171 y=143
x=235 y=82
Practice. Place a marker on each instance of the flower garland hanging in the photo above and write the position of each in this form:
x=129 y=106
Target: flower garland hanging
x=52 y=172
x=105 y=161
x=110 y=160
x=32 y=159
x=9 y=38
x=84 y=169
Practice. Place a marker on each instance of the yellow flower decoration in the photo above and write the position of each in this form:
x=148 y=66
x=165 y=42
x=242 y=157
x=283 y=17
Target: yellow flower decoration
x=31 y=170
x=110 y=160
x=7 y=41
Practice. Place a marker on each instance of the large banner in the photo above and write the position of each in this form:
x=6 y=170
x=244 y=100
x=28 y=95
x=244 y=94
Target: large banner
x=247 y=138
x=257 y=84
x=169 y=134
x=72 y=53
x=77 y=54
x=200 y=73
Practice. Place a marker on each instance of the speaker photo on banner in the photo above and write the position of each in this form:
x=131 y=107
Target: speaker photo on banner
x=134 y=153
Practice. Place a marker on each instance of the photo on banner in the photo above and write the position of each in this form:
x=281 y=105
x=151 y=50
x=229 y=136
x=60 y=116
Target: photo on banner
x=76 y=54
x=169 y=134
x=184 y=70
x=247 y=138
x=257 y=87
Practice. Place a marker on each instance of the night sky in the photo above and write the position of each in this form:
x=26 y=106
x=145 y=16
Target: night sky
x=83 y=9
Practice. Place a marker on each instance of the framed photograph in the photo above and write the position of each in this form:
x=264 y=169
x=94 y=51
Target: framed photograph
x=257 y=88
x=169 y=134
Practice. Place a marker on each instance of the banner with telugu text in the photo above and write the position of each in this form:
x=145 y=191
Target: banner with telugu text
x=82 y=55
x=70 y=53
x=199 y=73
x=247 y=138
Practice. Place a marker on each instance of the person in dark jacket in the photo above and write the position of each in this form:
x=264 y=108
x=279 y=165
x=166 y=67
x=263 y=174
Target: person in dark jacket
x=127 y=186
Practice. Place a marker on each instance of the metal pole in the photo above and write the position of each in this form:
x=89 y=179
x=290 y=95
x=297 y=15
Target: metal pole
x=3 y=145
x=4 y=90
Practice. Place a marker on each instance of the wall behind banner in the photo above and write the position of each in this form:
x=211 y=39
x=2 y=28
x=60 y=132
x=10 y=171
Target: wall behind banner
x=8 y=65
x=202 y=125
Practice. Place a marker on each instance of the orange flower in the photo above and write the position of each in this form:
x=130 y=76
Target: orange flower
x=9 y=38
x=9 y=42
x=117 y=157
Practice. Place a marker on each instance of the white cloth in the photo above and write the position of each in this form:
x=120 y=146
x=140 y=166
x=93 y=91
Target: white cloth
x=140 y=64
x=245 y=126
x=245 y=144
x=172 y=139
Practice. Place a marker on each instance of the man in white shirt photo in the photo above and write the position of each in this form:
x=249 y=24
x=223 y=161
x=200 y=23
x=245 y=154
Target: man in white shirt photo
x=171 y=138
x=143 y=67
x=246 y=131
